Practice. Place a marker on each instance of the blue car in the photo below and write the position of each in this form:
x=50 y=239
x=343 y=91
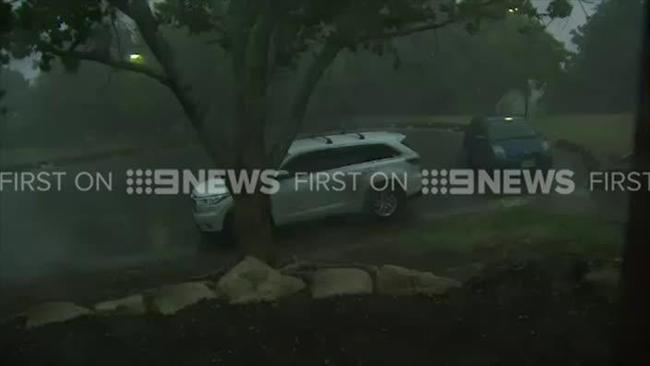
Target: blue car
x=505 y=143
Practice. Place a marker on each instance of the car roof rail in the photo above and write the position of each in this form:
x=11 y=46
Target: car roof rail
x=327 y=139
x=358 y=134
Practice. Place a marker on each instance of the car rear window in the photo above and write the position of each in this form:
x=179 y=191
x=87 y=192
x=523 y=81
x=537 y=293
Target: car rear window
x=509 y=130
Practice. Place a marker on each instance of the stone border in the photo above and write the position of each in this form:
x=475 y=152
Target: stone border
x=253 y=281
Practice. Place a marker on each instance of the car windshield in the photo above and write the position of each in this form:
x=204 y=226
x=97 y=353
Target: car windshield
x=507 y=130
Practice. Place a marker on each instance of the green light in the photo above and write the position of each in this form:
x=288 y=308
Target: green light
x=509 y=119
x=136 y=58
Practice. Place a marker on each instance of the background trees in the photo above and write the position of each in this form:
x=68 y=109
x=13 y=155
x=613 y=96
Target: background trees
x=444 y=73
x=603 y=75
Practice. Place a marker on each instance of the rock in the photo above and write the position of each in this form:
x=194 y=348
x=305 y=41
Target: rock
x=170 y=299
x=132 y=305
x=53 y=312
x=340 y=281
x=399 y=281
x=254 y=281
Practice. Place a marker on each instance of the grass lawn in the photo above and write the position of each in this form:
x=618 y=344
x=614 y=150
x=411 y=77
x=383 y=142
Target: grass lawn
x=516 y=230
x=606 y=135
x=455 y=119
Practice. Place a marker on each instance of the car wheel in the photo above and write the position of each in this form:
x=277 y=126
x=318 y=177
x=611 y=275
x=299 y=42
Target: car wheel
x=385 y=204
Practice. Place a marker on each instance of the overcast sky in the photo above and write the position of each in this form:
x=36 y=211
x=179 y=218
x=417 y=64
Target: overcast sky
x=562 y=28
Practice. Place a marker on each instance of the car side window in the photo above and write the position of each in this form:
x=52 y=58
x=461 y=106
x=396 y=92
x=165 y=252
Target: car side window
x=301 y=163
x=370 y=153
x=316 y=161
x=323 y=160
x=353 y=155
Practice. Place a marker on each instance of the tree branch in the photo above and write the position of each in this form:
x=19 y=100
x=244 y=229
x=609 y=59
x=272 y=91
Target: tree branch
x=140 y=12
x=408 y=31
x=425 y=27
x=584 y=10
x=122 y=65
x=312 y=75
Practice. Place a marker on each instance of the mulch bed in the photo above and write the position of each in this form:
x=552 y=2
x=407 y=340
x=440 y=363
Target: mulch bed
x=515 y=314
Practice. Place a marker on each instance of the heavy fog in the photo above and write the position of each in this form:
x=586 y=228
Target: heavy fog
x=573 y=78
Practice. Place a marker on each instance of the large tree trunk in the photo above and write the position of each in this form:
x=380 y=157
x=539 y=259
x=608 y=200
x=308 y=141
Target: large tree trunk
x=252 y=225
x=252 y=29
x=252 y=210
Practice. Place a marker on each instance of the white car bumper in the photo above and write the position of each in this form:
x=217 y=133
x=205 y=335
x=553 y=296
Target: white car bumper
x=212 y=219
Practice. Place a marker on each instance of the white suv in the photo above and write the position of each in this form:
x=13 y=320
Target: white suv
x=373 y=172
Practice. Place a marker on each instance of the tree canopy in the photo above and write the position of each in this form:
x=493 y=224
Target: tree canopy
x=447 y=72
x=262 y=37
x=602 y=76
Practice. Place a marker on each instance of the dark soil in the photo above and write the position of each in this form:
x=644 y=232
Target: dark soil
x=525 y=314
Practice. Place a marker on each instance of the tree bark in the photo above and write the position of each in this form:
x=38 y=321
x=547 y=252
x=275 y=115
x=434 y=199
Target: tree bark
x=252 y=210
x=252 y=224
